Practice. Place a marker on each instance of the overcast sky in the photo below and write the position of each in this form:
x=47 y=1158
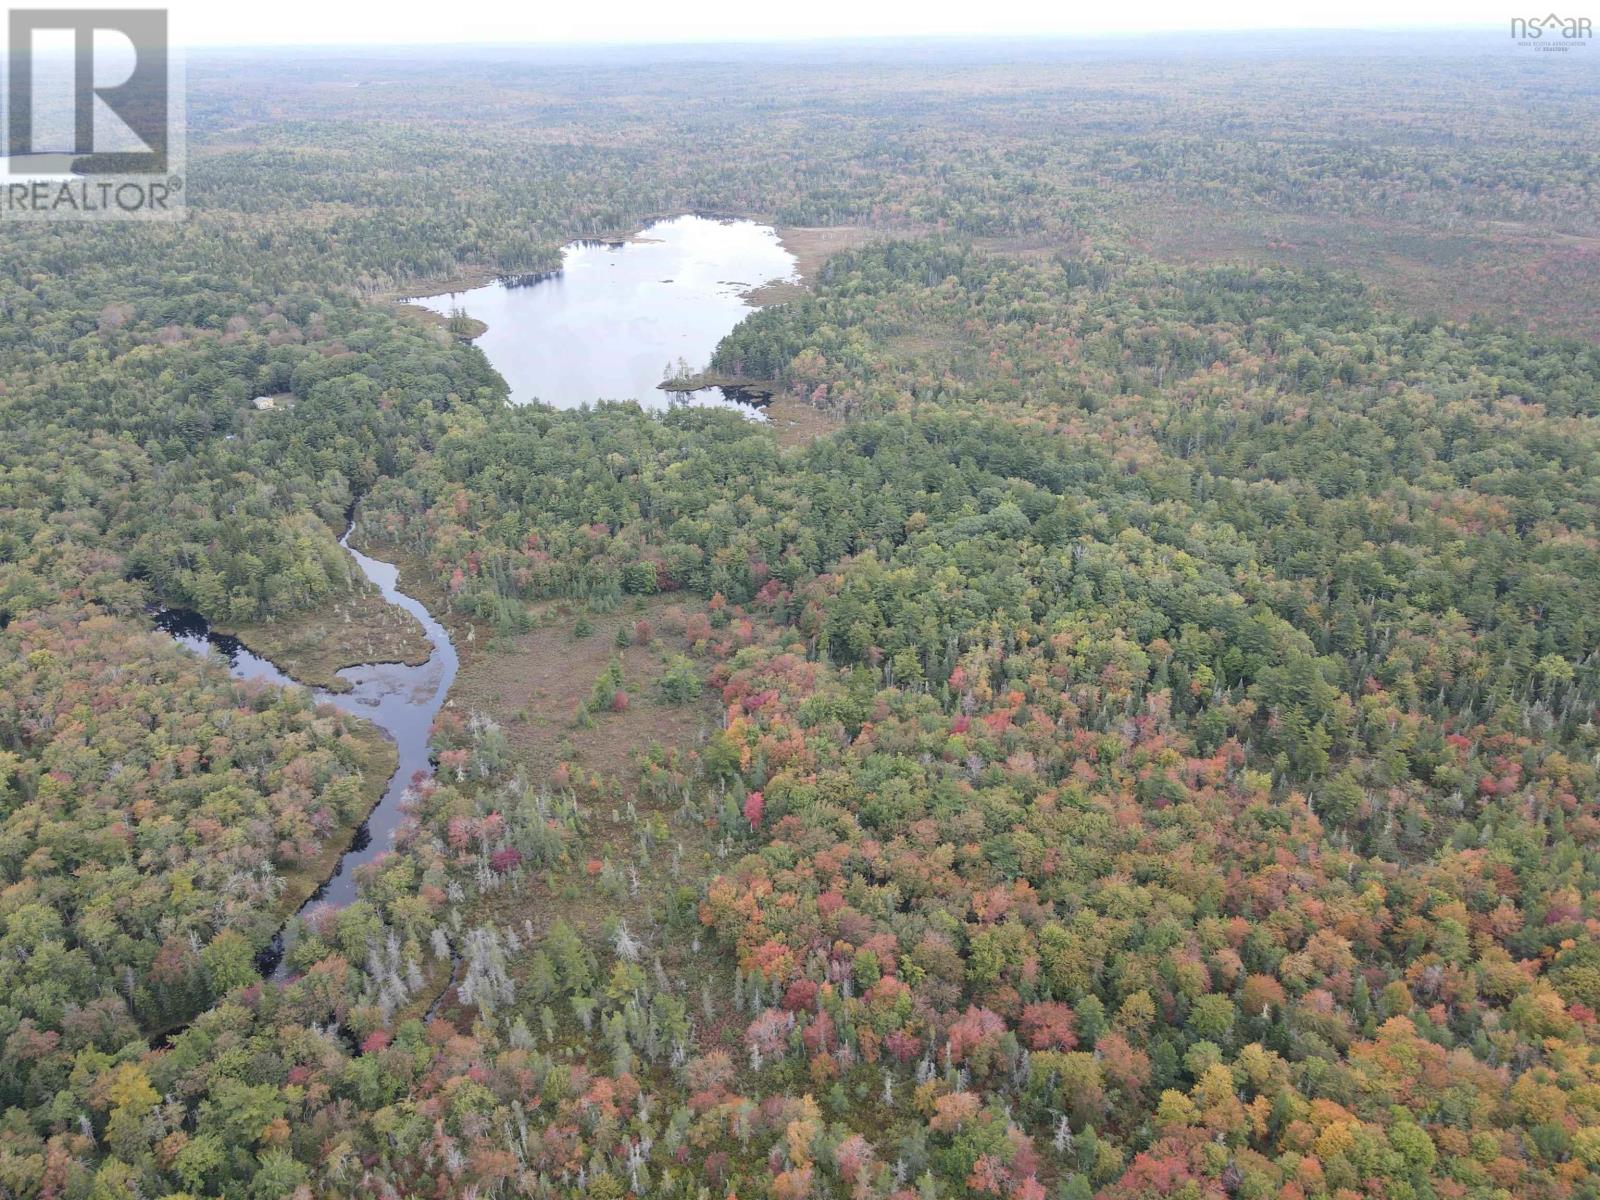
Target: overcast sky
x=387 y=22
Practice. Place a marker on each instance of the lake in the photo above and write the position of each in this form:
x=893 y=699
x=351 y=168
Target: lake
x=604 y=327
x=607 y=324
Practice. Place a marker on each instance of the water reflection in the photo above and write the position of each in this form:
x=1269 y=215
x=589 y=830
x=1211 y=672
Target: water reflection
x=400 y=700
x=606 y=325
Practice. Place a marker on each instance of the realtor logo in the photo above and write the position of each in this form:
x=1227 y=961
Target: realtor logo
x=89 y=124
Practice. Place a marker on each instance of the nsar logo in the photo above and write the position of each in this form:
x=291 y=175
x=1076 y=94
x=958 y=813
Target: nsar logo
x=1552 y=32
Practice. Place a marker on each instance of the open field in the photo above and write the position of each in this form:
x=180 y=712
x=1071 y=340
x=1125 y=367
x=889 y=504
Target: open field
x=797 y=422
x=534 y=683
x=1509 y=272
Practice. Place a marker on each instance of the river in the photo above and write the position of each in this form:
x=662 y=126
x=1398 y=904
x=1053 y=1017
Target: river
x=401 y=700
x=605 y=326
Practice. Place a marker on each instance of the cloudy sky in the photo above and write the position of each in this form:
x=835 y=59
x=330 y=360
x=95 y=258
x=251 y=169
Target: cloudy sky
x=395 y=22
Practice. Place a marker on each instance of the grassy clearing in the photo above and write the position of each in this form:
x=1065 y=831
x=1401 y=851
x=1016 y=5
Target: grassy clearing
x=533 y=685
x=635 y=854
x=360 y=628
x=797 y=422
x=814 y=245
x=463 y=280
x=1473 y=271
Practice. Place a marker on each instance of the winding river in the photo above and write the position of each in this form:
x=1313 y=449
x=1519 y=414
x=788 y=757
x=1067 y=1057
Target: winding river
x=604 y=326
x=401 y=700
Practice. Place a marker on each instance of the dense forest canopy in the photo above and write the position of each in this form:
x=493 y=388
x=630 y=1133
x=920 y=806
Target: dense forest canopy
x=1146 y=735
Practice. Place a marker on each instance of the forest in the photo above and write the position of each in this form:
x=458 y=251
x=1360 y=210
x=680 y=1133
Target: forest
x=1142 y=742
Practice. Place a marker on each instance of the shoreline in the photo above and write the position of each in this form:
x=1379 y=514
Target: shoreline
x=760 y=391
x=811 y=246
x=312 y=647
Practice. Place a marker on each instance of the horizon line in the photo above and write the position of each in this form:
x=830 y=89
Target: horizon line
x=863 y=39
